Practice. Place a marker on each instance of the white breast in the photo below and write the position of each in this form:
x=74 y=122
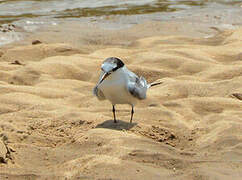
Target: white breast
x=114 y=88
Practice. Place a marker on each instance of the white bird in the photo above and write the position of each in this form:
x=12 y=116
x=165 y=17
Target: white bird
x=119 y=85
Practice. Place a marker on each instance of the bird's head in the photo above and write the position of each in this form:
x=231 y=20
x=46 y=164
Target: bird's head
x=109 y=66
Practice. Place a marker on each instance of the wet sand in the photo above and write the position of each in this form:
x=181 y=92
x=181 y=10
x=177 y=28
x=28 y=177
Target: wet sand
x=189 y=127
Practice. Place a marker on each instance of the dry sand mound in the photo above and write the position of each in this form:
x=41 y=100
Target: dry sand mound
x=190 y=127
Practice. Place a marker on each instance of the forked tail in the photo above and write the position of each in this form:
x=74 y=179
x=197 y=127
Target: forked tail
x=144 y=83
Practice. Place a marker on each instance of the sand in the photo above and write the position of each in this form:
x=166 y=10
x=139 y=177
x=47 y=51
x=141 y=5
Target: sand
x=189 y=127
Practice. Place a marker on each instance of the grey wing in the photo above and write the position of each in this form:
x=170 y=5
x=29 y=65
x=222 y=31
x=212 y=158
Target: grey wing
x=138 y=88
x=132 y=76
x=98 y=93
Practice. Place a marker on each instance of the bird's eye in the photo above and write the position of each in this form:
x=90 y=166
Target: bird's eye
x=102 y=69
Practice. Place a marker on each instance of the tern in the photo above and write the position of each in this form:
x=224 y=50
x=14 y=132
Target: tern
x=120 y=85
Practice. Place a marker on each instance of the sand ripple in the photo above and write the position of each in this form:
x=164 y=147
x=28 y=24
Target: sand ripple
x=190 y=127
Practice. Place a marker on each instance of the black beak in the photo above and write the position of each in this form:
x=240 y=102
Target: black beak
x=105 y=75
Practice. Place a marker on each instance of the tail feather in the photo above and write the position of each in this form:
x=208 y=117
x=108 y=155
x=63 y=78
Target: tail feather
x=154 y=84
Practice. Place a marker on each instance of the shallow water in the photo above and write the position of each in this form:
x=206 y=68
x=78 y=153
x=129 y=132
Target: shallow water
x=30 y=15
x=12 y=10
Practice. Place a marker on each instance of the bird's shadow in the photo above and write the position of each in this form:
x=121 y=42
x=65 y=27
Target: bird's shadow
x=120 y=125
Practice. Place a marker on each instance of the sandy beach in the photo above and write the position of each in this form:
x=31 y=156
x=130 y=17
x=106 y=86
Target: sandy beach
x=189 y=127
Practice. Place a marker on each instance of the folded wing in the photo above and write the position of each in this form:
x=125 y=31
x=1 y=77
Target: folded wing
x=138 y=87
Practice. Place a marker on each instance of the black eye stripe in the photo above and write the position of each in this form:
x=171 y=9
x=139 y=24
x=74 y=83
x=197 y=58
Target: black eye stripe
x=119 y=63
x=115 y=69
x=113 y=60
x=116 y=61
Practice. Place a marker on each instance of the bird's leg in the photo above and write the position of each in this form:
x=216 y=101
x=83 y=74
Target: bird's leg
x=114 y=117
x=132 y=113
